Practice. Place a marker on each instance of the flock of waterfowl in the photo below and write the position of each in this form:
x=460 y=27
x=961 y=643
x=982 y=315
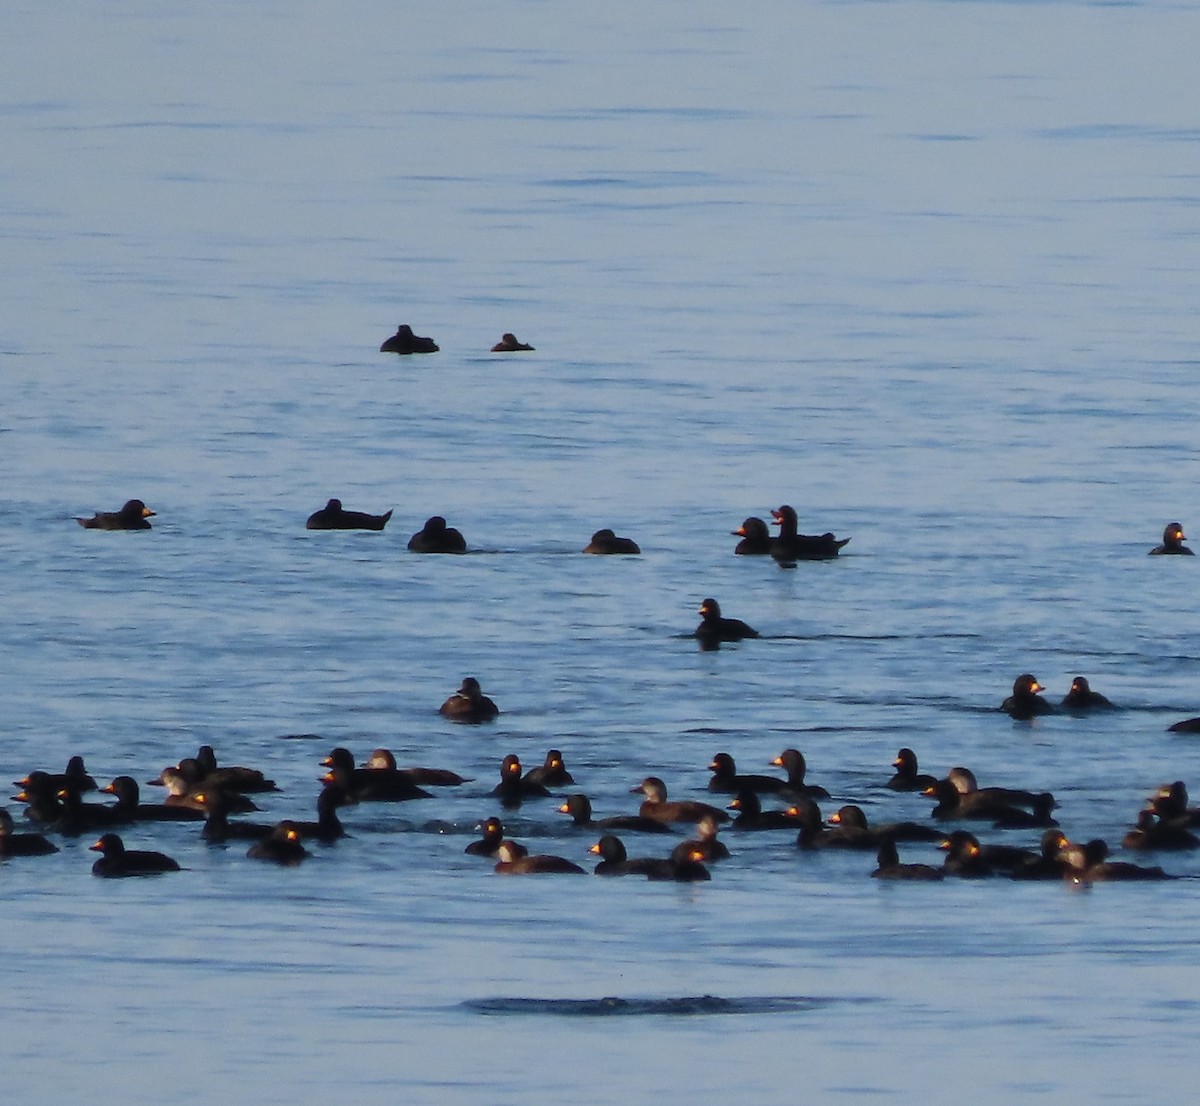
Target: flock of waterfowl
x=201 y=791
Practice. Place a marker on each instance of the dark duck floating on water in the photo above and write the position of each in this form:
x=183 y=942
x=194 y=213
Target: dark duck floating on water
x=333 y=516
x=132 y=516
x=437 y=537
x=508 y=344
x=790 y=546
x=714 y=628
x=606 y=542
x=469 y=704
x=1024 y=703
x=1173 y=539
x=404 y=341
x=756 y=538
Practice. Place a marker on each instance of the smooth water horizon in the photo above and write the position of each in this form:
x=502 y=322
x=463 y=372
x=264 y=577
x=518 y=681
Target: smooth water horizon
x=925 y=271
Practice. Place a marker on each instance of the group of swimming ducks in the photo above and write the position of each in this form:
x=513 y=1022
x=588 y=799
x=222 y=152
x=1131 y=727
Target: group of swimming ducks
x=199 y=790
x=405 y=342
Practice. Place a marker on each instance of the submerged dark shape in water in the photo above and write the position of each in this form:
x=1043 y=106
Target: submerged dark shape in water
x=611 y=1005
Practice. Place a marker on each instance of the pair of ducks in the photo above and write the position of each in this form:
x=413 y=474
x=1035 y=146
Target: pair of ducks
x=790 y=546
x=1026 y=702
x=405 y=342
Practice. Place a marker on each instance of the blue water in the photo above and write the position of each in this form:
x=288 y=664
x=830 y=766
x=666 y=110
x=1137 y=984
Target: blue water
x=927 y=271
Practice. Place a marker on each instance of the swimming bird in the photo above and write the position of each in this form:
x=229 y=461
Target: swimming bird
x=422 y=777
x=682 y=866
x=725 y=777
x=230 y=777
x=333 y=516
x=656 y=805
x=75 y=777
x=1151 y=832
x=907 y=777
x=756 y=538
x=513 y=789
x=130 y=807
x=964 y=857
x=714 y=629
x=436 y=537
x=21 y=844
x=952 y=804
x=469 y=704
x=790 y=546
x=117 y=861
x=1050 y=861
x=487 y=845
x=579 y=807
x=1082 y=698
x=704 y=847
x=281 y=846
x=1173 y=539
x=551 y=773
x=793 y=763
x=1024 y=703
x=1089 y=863
x=511 y=863
x=369 y=785
x=132 y=516
x=889 y=866
x=852 y=821
x=751 y=816
x=606 y=542
x=508 y=344
x=404 y=341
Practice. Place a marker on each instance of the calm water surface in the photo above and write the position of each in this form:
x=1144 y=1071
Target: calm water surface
x=927 y=271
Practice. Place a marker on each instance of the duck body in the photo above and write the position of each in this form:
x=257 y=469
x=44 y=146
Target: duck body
x=117 y=862
x=552 y=773
x=793 y=763
x=953 y=805
x=281 y=846
x=437 y=537
x=489 y=843
x=964 y=858
x=579 y=807
x=1025 y=703
x=1172 y=543
x=130 y=806
x=889 y=866
x=1089 y=863
x=132 y=516
x=513 y=789
x=615 y=862
x=509 y=344
x=404 y=342
x=511 y=862
x=715 y=629
x=1081 y=698
x=21 y=844
x=756 y=539
x=751 y=816
x=657 y=807
x=422 y=777
x=907 y=777
x=605 y=542
x=333 y=516
x=1152 y=833
x=791 y=546
x=469 y=705
x=369 y=785
x=725 y=778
